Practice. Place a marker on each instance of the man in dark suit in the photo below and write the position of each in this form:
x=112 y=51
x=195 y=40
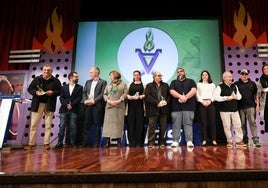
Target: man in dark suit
x=70 y=98
x=94 y=107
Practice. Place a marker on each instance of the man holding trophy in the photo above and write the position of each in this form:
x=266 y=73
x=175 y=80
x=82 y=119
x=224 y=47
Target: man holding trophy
x=94 y=108
x=183 y=102
x=44 y=90
x=156 y=104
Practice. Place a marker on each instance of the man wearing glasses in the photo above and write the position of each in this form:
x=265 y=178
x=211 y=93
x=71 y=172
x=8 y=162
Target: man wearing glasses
x=248 y=106
x=157 y=110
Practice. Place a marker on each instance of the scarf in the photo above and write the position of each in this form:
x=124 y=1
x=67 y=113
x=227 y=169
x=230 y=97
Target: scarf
x=114 y=87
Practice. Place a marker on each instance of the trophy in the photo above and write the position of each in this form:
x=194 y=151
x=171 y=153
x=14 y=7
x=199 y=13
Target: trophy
x=163 y=102
x=233 y=95
x=89 y=97
x=136 y=95
x=41 y=90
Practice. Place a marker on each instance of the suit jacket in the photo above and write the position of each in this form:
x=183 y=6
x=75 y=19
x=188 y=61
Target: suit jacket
x=98 y=92
x=74 y=99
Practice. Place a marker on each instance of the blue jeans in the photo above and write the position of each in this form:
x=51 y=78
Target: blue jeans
x=65 y=118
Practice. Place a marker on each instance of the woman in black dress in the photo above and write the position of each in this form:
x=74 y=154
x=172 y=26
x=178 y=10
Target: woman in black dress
x=135 y=111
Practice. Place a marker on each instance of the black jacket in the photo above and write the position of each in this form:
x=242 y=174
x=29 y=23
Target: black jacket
x=151 y=99
x=52 y=84
x=74 y=99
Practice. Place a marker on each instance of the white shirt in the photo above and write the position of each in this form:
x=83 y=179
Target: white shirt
x=71 y=88
x=217 y=94
x=92 y=88
x=205 y=91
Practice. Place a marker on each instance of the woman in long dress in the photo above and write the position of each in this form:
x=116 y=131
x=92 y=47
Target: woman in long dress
x=115 y=94
x=135 y=111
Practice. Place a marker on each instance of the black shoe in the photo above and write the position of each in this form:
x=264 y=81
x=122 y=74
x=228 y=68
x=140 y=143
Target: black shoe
x=85 y=146
x=72 y=146
x=59 y=146
x=108 y=144
x=257 y=144
x=151 y=145
x=119 y=142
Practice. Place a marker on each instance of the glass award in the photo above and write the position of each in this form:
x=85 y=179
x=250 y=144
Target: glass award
x=163 y=101
x=136 y=95
x=89 y=97
x=41 y=90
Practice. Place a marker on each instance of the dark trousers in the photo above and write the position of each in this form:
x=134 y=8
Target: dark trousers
x=93 y=122
x=152 y=126
x=135 y=127
x=207 y=116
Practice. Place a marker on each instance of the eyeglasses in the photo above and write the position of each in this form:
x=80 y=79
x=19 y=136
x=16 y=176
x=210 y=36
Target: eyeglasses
x=244 y=73
x=159 y=75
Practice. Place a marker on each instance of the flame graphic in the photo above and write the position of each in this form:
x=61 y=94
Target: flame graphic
x=243 y=36
x=53 y=30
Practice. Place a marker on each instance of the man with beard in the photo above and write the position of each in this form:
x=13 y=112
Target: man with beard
x=183 y=102
x=70 y=98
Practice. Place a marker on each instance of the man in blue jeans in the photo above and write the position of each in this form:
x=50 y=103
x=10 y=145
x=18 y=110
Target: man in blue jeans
x=70 y=98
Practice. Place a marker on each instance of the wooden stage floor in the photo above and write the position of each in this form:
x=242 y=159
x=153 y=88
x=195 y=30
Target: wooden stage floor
x=114 y=165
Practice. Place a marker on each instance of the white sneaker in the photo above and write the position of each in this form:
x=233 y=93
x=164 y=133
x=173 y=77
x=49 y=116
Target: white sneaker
x=174 y=144
x=190 y=144
x=190 y=149
x=176 y=149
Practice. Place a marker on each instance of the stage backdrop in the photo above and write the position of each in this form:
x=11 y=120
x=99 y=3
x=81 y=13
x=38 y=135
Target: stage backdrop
x=149 y=46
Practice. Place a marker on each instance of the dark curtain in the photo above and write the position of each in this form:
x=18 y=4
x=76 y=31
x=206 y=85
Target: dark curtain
x=23 y=20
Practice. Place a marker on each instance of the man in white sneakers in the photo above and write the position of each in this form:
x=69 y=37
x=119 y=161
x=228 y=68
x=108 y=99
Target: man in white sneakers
x=183 y=102
x=227 y=94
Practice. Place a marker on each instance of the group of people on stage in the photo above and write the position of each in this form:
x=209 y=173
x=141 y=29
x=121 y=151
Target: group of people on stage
x=106 y=106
